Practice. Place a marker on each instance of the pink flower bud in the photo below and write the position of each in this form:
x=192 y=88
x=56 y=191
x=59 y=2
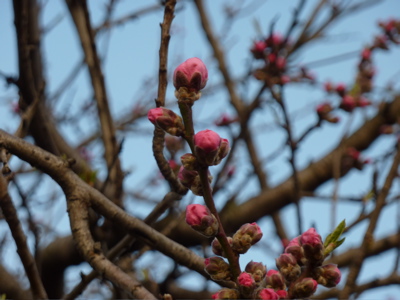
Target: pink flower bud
x=366 y=54
x=225 y=120
x=328 y=86
x=348 y=103
x=217 y=248
x=267 y=294
x=282 y=294
x=312 y=245
x=258 y=270
x=187 y=177
x=223 y=151
x=310 y=237
x=341 y=89
x=167 y=120
x=226 y=294
x=247 y=235
x=303 y=288
x=274 y=40
x=209 y=147
x=296 y=250
x=275 y=280
x=201 y=220
x=191 y=74
x=258 y=49
x=328 y=275
x=246 y=280
x=324 y=108
x=280 y=63
x=288 y=266
x=217 y=268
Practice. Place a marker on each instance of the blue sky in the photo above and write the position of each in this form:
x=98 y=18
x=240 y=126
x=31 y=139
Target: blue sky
x=130 y=68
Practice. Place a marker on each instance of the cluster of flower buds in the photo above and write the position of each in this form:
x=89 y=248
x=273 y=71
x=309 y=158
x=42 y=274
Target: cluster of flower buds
x=300 y=268
x=272 y=51
x=200 y=219
x=167 y=120
x=189 y=78
x=350 y=99
x=391 y=29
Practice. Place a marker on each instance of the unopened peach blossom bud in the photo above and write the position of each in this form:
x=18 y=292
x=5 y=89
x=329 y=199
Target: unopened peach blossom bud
x=348 y=103
x=329 y=275
x=303 y=288
x=223 y=151
x=274 y=40
x=275 y=280
x=312 y=245
x=366 y=54
x=267 y=294
x=217 y=268
x=226 y=293
x=187 y=177
x=258 y=49
x=328 y=86
x=246 y=279
x=288 y=266
x=191 y=74
x=341 y=89
x=217 y=248
x=167 y=120
x=296 y=250
x=247 y=235
x=282 y=294
x=258 y=270
x=200 y=219
x=209 y=147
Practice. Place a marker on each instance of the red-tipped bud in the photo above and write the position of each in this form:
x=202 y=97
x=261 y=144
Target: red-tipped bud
x=267 y=294
x=258 y=49
x=366 y=54
x=288 y=267
x=274 y=40
x=258 y=270
x=209 y=147
x=217 y=268
x=167 y=120
x=247 y=235
x=225 y=120
x=280 y=63
x=246 y=284
x=246 y=280
x=187 y=177
x=282 y=294
x=217 y=248
x=341 y=89
x=201 y=220
x=323 y=109
x=312 y=245
x=381 y=42
x=226 y=294
x=303 y=288
x=348 y=103
x=328 y=86
x=191 y=74
x=296 y=250
x=328 y=275
x=275 y=280
x=188 y=161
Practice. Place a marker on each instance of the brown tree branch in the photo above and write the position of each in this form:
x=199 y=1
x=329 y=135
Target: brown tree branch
x=80 y=15
x=10 y=287
x=28 y=261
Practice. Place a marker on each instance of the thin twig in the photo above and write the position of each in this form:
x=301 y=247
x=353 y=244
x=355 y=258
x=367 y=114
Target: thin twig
x=28 y=261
